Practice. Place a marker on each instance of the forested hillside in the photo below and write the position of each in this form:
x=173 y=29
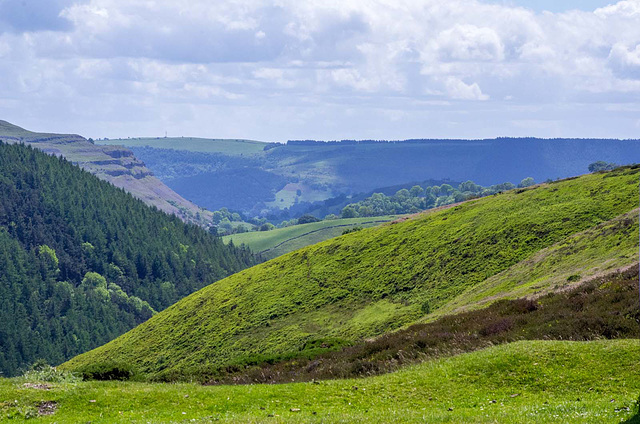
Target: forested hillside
x=114 y=164
x=82 y=261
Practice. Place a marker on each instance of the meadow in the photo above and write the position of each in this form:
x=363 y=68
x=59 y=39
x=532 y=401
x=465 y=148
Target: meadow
x=533 y=382
x=274 y=243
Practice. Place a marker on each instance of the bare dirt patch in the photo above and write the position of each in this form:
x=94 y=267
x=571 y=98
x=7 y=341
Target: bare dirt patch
x=38 y=386
x=47 y=408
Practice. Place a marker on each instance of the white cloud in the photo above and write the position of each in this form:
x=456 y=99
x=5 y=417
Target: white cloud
x=398 y=60
x=625 y=62
x=628 y=8
x=470 y=43
x=459 y=90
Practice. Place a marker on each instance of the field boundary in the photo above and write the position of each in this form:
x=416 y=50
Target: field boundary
x=320 y=229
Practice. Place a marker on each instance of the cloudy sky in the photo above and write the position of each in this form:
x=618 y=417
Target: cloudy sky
x=325 y=69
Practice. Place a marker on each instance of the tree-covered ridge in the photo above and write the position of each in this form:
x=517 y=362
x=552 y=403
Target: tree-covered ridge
x=418 y=198
x=82 y=261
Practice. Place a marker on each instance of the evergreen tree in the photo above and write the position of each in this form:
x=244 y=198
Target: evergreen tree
x=82 y=262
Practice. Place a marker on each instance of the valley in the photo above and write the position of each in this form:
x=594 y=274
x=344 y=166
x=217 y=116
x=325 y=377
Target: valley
x=528 y=293
x=320 y=212
x=268 y=178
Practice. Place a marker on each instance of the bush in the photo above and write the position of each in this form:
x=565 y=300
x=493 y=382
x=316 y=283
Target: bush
x=351 y=230
x=307 y=219
x=41 y=371
x=108 y=371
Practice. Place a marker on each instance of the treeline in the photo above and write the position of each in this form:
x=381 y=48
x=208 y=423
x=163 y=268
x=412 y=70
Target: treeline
x=169 y=164
x=425 y=140
x=81 y=261
x=418 y=199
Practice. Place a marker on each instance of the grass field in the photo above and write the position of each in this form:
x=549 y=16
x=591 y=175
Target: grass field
x=277 y=242
x=369 y=282
x=532 y=382
x=230 y=147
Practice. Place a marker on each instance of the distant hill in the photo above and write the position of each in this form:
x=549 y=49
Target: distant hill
x=82 y=261
x=299 y=173
x=230 y=147
x=376 y=280
x=114 y=164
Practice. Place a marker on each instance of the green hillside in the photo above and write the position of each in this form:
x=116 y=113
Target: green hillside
x=525 y=382
x=81 y=261
x=369 y=282
x=602 y=308
x=231 y=147
x=274 y=243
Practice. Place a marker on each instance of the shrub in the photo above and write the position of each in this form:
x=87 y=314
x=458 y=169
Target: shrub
x=351 y=230
x=107 y=371
x=307 y=219
x=41 y=371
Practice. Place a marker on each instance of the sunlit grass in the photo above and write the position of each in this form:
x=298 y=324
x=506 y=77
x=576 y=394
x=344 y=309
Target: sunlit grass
x=524 y=382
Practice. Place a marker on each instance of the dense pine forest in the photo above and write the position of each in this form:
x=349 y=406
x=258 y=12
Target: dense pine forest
x=81 y=261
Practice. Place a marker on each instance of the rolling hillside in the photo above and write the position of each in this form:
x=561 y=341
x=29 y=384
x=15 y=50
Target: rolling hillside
x=81 y=261
x=296 y=174
x=114 y=164
x=376 y=280
x=274 y=243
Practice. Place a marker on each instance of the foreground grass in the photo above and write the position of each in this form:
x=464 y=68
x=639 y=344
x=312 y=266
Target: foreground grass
x=277 y=242
x=533 y=382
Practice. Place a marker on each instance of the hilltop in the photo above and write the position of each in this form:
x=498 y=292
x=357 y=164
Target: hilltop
x=114 y=164
x=231 y=147
x=82 y=261
x=377 y=280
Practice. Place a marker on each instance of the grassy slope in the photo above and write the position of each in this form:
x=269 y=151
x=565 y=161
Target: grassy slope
x=368 y=282
x=603 y=308
x=533 y=382
x=206 y=145
x=284 y=240
x=608 y=246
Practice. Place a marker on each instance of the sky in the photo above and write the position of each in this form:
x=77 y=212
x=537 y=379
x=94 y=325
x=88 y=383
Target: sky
x=555 y=5
x=275 y=70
